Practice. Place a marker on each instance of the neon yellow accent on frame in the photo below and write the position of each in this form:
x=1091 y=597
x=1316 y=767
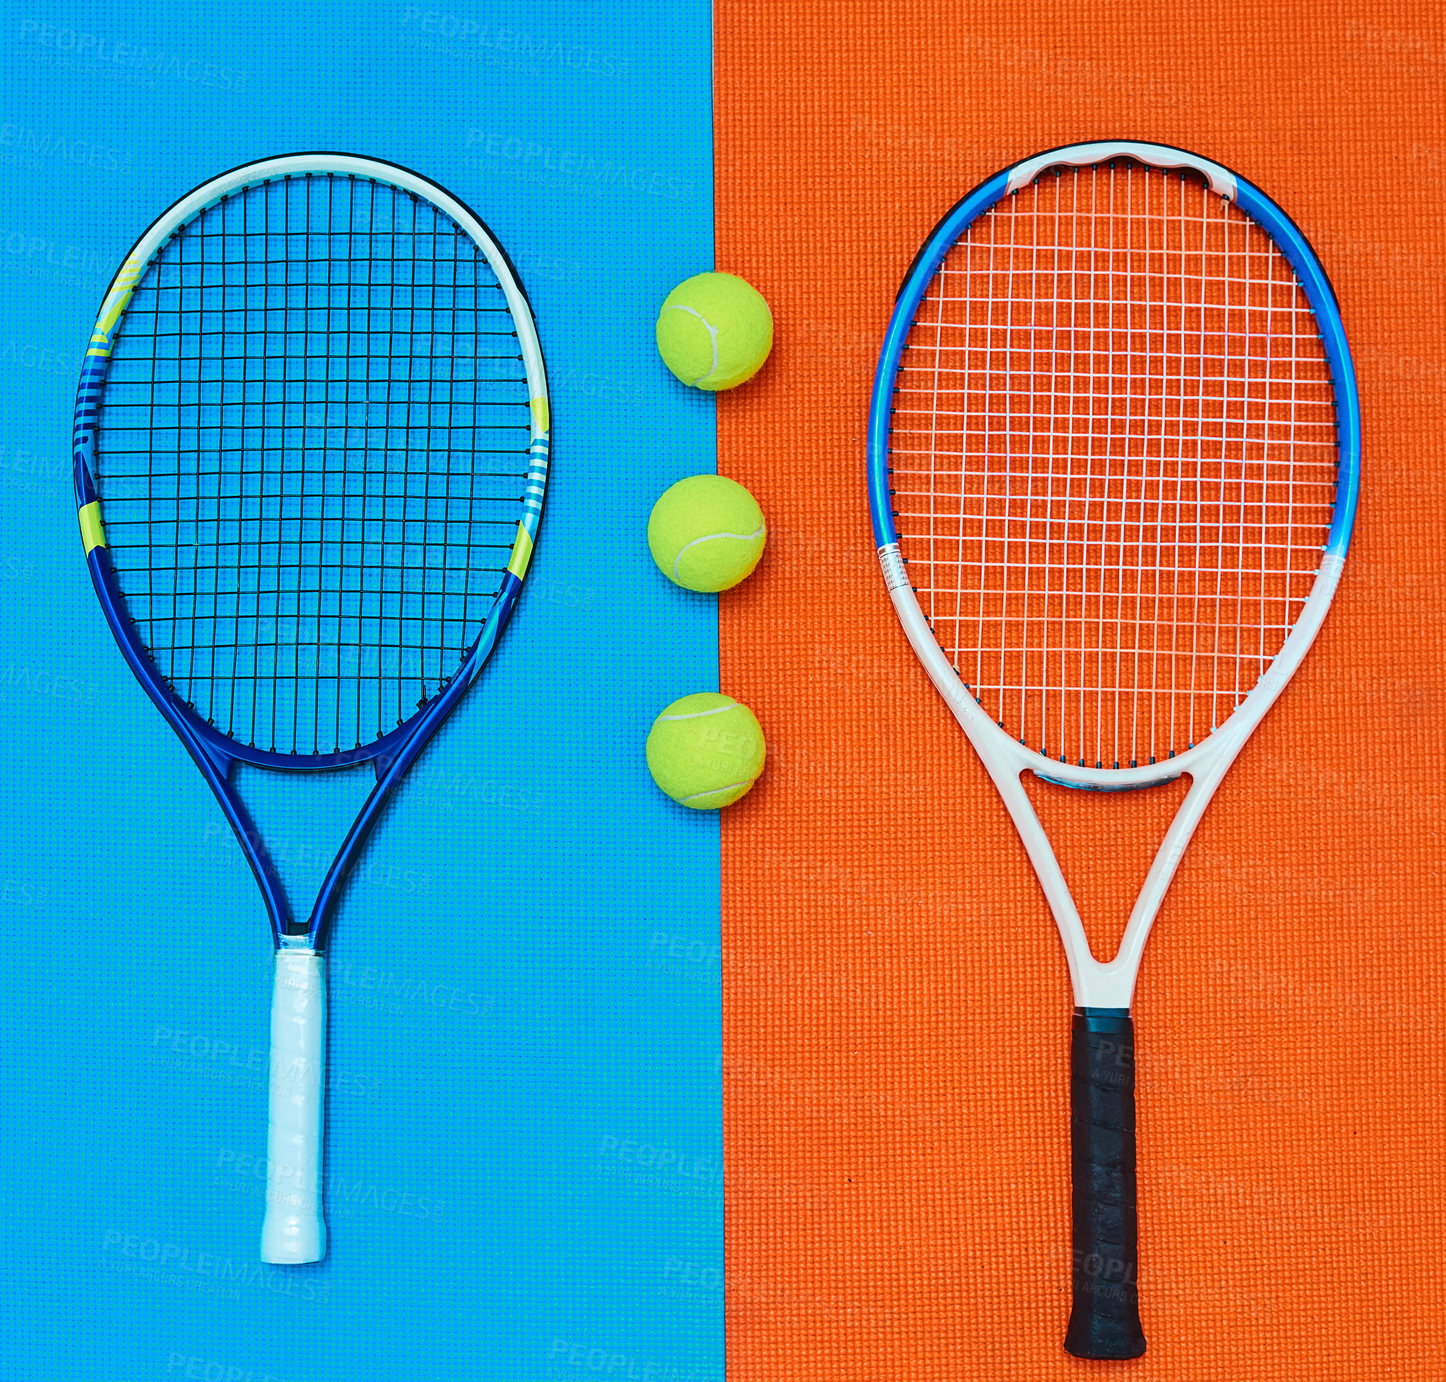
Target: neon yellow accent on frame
x=114 y=304
x=91 y=531
x=541 y=413
x=521 y=553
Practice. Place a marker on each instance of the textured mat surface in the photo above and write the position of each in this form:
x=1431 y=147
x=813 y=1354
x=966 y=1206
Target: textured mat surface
x=524 y=1152
x=896 y=1001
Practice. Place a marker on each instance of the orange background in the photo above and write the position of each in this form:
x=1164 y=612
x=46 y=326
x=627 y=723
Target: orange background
x=896 y=1000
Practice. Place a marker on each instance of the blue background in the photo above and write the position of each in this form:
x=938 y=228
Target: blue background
x=524 y=1148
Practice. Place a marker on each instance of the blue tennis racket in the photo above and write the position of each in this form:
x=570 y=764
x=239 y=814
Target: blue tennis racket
x=1114 y=454
x=311 y=445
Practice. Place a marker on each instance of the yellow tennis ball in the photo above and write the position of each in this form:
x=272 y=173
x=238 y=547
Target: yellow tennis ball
x=706 y=751
x=706 y=532
x=714 y=331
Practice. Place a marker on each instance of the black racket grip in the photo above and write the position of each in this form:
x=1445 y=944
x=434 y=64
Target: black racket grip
x=1105 y=1320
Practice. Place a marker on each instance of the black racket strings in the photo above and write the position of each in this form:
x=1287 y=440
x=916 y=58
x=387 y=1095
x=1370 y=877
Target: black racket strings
x=313 y=444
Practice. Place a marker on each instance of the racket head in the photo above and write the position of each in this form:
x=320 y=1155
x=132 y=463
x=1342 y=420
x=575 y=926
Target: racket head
x=1054 y=507
x=311 y=449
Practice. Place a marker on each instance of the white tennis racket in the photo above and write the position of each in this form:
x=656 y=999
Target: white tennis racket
x=1114 y=453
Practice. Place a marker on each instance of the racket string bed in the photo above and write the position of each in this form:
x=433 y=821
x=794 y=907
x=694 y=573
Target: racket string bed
x=311 y=454
x=1114 y=461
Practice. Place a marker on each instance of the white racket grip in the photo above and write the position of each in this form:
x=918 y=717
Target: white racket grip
x=294 y=1230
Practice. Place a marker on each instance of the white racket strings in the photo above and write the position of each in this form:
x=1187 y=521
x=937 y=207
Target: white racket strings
x=1114 y=461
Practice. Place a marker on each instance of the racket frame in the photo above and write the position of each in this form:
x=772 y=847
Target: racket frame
x=215 y=753
x=1110 y=985
x=1104 y=1319
x=294 y=1229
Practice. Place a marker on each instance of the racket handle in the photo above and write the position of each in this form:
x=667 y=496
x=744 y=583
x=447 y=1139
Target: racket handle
x=1105 y=1320
x=294 y=1230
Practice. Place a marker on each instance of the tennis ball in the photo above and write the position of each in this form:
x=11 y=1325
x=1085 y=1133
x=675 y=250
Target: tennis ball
x=714 y=331
x=706 y=532
x=705 y=751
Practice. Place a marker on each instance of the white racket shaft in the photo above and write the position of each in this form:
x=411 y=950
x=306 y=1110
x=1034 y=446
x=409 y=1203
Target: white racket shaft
x=293 y=1230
